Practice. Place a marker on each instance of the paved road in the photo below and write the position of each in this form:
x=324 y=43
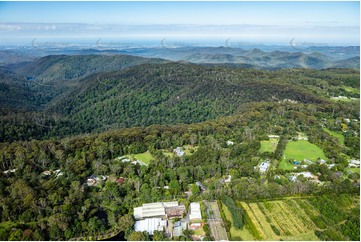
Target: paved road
x=215 y=221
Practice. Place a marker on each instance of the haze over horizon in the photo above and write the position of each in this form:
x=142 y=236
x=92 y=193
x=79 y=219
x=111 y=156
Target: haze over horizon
x=321 y=23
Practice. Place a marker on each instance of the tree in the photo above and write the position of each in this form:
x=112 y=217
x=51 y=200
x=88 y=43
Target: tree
x=174 y=187
x=125 y=222
x=195 y=190
x=137 y=236
x=159 y=236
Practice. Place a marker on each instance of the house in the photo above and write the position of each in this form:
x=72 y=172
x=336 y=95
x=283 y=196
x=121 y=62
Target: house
x=354 y=163
x=120 y=180
x=150 y=225
x=306 y=174
x=195 y=211
x=292 y=178
x=230 y=142
x=263 y=167
x=330 y=165
x=194 y=226
x=320 y=161
x=304 y=166
x=9 y=171
x=91 y=182
x=59 y=174
x=151 y=210
x=228 y=179
x=276 y=177
x=178 y=151
x=199 y=184
x=273 y=136
x=308 y=161
x=46 y=173
x=177 y=229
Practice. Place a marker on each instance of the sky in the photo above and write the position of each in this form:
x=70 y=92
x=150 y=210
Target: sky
x=324 y=22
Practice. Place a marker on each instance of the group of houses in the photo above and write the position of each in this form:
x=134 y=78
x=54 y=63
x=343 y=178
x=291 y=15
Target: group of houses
x=124 y=159
x=159 y=216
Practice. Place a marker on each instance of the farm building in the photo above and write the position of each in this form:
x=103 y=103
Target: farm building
x=175 y=211
x=195 y=211
x=150 y=225
x=151 y=210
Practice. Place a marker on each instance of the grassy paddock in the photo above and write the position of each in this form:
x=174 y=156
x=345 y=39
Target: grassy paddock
x=302 y=149
x=145 y=157
x=338 y=136
x=285 y=165
x=269 y=145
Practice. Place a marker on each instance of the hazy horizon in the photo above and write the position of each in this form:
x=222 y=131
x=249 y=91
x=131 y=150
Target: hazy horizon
x=318 y=23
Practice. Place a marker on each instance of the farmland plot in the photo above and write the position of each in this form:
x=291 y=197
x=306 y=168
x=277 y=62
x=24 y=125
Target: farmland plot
x=282 y=219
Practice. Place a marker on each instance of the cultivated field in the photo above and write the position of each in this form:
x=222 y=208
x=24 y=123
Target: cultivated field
x=282 y=219
x=302 y=149
x=326 y=217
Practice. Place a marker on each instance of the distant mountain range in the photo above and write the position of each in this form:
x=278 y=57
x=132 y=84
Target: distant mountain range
x=316 y=57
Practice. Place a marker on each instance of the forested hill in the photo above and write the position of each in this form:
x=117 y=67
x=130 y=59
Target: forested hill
x=70 y=67
x=172 y=93
x=142 y=92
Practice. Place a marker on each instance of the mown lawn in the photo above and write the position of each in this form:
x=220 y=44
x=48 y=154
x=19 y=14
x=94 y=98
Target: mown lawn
x=285 y=165
x=145 y=157
x=339 y=136
x=302 y=149
x=268 y=145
